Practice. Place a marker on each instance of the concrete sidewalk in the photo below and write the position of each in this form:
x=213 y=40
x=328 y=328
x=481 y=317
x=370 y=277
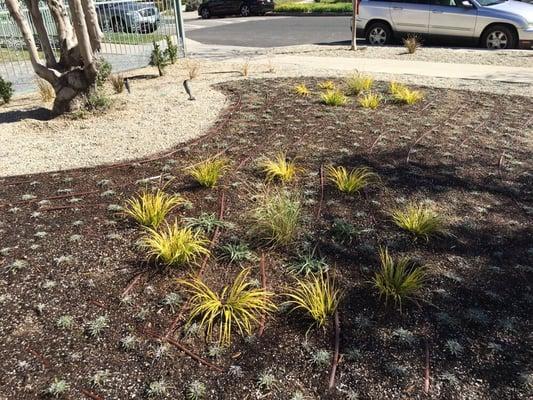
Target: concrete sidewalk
x=307 y=63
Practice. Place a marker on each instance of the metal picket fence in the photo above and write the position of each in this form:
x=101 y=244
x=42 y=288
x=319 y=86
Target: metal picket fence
x=130 y=27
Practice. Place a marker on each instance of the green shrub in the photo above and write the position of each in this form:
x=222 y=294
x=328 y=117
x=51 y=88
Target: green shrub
x=398 y=280
x=6 y=90
x=97 y=101
x=104 y=70
x=317 y=8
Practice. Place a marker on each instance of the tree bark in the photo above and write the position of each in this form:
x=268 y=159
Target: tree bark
x=76 y=71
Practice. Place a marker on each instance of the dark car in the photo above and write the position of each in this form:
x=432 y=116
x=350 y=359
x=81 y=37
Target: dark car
x=234 y=7
x=129 y=16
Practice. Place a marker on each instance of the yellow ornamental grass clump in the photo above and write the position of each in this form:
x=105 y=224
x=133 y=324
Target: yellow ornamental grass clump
x=420 y=220
x=327 y=85
x=150 y=209
x=351 y=182
x=402 y=94
x=236 y=308
x=207 y=173
x=174 y=245
x=358 y=83
x=280 y=168
x=333 y=98
x=302 y=90
x=398 y=280
x=370 y=100
x=317 y=296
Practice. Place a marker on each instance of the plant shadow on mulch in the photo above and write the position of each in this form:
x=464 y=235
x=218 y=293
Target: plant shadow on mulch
x=467 y=154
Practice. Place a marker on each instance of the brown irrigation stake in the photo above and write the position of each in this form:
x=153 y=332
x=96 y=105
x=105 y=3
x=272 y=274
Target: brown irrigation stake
x=336 y=354
x=184 y=349
x=427 y=370
x=321 y=172
x=264 y=283
x=91 y=395
x=132 y=284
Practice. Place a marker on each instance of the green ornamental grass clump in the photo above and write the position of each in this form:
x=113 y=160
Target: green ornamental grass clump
x=420 y=220
x=358 y=83
x=333 y=97
x=207 y=173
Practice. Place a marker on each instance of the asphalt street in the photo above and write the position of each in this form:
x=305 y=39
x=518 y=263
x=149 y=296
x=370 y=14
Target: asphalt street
x=269 y=31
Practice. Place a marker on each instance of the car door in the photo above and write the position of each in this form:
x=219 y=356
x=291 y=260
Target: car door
x=452 y=18
x=410 y=16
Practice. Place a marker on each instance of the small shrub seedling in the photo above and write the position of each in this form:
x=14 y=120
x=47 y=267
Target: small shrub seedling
x=370 y=100
x=398 y=280
x=96 y=326
x=97 y=100
x=358 y=83
x=158 y=59
x=237 y=308
x=302 y=90
x=6 y=90
x=279 y=167
x=104 y=70
x=117 y=80
x=277 y=216
x=317 y=295
x=333 y=98
x=157 y=388
x=208 y=172
x=412 y=43
x=309 y=264
x=420 y=220
x=343 y=232
x=353 y=181
x=321 y=358
x=266 y=381
x=46 y=91
x=171 y=52
x=175 y=246
x=149 y=209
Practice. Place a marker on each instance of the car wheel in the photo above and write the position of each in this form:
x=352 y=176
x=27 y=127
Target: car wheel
x=379 y=34
x=245 y=10
x=118 y=25
x=206 y=14
x=498 y=37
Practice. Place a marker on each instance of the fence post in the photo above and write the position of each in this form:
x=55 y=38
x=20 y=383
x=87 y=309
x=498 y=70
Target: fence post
x=179 y=25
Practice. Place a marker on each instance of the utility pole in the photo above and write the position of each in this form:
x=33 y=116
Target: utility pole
x=354 y=25
x=179 y=26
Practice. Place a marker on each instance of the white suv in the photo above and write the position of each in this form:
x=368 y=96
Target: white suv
x=494 y=24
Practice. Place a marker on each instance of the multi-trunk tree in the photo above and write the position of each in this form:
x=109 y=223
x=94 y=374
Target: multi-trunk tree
x=72 y=68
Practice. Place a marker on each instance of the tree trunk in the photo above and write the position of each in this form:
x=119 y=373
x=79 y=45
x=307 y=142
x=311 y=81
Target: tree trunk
x=75 y=72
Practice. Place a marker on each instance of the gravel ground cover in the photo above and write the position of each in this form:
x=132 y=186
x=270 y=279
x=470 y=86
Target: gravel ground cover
x=513 y=58
x=68 y=252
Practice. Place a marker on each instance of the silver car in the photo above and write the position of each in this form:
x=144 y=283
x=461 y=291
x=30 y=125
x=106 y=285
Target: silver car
x=494 y=24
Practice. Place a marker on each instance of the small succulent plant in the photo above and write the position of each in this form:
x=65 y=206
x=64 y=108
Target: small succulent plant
x=196 y=390
x=128 y=342
x=404 y=336
x=454 y=347
x=321 y=357
x=172 y=300
x=99 y=378
x=96 y=326
x=65 y=322
x=266 y=381
x=58 y=387
x=157 y=388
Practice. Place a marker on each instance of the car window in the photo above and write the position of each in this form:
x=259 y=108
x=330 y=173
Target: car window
x=447 y=3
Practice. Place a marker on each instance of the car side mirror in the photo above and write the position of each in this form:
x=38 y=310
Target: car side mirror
x=467 y=4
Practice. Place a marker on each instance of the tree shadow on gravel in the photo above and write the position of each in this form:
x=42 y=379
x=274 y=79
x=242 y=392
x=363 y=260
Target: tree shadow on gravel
x=39 y=114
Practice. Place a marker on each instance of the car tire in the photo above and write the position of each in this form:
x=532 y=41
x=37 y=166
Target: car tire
x=379 y=34
x=245 y=10
x=205 y=13
x=498 y=37
x=118 y=25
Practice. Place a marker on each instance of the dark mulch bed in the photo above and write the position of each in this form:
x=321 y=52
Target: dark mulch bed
x=473 y=162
